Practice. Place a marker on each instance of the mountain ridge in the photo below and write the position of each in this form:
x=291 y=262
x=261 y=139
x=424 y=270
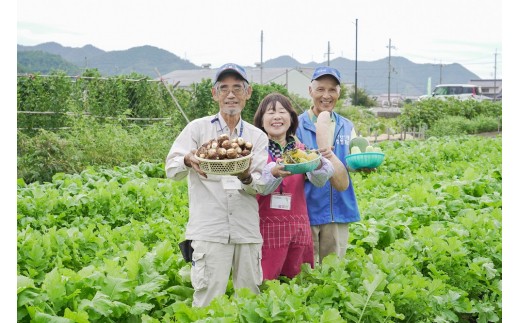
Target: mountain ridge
x=407 y=78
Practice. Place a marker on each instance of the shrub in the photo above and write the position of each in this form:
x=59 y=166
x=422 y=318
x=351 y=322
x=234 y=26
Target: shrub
x=428 y=112
x=448 y=126
x=458 y=125
x=43 y=154
x=365 y=122
x=89 y=143
x=487 y=124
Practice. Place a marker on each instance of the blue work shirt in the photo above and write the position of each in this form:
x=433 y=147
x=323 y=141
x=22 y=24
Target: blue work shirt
x=326 y=204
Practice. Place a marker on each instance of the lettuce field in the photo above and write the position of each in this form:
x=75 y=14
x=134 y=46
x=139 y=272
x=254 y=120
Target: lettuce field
x=101 y=246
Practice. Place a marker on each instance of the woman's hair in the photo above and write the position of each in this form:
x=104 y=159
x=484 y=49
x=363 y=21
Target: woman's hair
x=269 y=102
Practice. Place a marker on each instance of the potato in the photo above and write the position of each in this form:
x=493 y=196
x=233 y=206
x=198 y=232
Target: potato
x=226 y=144
x=223 y=137
x=221 y=153
x=212 y=153
x=241 y=142
x=202 y=151
x=224 y=148
x=231 y=153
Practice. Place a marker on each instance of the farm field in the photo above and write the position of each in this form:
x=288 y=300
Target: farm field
x=101 y=246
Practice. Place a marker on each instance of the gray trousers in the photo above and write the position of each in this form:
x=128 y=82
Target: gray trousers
x=329 y=238
x=214 y=262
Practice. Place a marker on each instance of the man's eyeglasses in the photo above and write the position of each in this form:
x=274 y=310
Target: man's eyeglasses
x=237 y=90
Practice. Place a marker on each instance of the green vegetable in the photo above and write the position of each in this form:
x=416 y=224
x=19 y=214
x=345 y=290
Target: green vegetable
x=355 y=150
x=360 y=142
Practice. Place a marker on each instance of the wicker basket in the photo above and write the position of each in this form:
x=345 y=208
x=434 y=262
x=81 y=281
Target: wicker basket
x=302 y=168
x=364 y=160
x=224 y=166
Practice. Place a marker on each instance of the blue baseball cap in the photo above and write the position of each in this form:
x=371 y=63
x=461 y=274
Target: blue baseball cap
x=231 y=68
x=326 y=70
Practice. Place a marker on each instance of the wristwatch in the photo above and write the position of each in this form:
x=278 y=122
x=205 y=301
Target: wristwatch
x=247 y=180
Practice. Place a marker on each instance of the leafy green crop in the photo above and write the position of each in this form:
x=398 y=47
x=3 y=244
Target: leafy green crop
x=101 y=246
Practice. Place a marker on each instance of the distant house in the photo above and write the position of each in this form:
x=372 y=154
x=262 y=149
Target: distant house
x=489 y=87
x=396 y=100
x=296 y=79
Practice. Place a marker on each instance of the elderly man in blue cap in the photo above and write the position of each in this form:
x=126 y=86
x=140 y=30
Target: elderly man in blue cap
x=332 y=207
x=223 y=225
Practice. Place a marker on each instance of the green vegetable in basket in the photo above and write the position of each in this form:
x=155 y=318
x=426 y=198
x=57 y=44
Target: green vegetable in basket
x=355 y=150
x=296 y=156
x=359 y=142
x=312 y=155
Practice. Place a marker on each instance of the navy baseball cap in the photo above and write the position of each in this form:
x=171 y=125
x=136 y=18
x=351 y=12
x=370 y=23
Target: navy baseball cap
x=231 y=68
x=326 y=70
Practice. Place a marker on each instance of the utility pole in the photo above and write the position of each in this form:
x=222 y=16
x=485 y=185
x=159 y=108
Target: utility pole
x=389 y=66
x=355 y=71
x=495 y=79
x=440 y=73
x=261 y=57
x=328 y=53
x=440 y=69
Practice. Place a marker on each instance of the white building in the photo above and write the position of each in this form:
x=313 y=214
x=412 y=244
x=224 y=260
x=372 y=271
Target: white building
x=296 y=80
x=489 y=87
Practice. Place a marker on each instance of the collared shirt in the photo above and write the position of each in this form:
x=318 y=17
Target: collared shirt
x=218 y=214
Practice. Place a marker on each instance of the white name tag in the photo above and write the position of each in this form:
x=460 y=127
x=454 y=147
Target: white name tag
x=231 y=183
x=281 y=201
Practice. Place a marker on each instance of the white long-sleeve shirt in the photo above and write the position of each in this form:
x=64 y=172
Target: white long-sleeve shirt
x=218 y=214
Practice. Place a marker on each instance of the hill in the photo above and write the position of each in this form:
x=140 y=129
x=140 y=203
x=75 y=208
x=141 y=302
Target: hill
x=407 y=78
x=142 y=60
x=44 y=63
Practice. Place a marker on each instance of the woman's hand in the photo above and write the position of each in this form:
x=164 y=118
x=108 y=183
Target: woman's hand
x=278 y=170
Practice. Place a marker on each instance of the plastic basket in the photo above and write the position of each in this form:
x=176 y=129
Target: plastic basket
x=224 y=166
x=302 y=168
x=364 y=160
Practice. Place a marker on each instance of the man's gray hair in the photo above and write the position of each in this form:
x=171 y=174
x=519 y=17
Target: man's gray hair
x=217 y=84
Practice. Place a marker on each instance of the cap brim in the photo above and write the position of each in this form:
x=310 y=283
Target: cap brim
x=328 y=74
x=230 y=71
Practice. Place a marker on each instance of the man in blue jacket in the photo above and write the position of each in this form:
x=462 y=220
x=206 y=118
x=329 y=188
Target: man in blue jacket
x=330 y=211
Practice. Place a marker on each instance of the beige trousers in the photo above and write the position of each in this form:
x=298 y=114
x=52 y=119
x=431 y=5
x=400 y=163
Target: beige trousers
x=212 y=264
x=329 y=238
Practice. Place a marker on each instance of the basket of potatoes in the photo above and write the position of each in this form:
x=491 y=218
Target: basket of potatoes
x=224 y=155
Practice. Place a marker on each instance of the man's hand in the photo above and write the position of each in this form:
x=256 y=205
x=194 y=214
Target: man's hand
x=245 y=177
x=326 y=152
x=191 y=161
x=339 y=180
